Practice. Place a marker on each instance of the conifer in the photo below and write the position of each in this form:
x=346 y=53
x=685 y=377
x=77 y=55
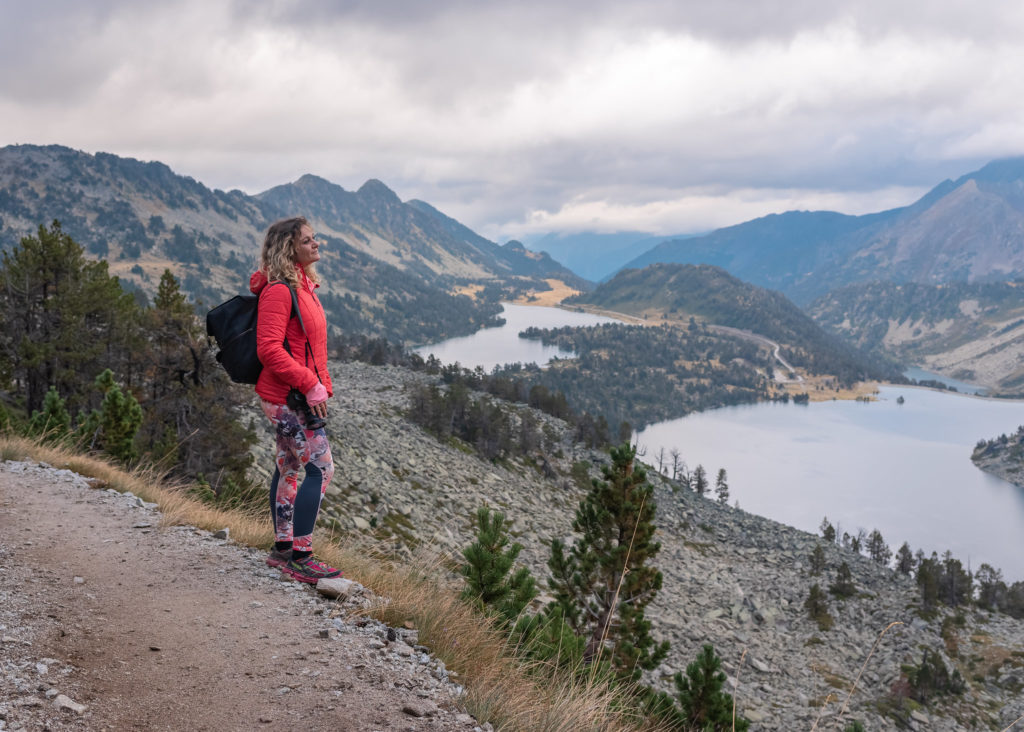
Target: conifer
x=53 y=422
x=703 y=703
x=603 y=583
x=722 y=487
x=489 y=559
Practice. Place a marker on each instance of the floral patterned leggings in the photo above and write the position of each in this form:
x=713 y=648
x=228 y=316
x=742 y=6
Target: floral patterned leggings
x=294 y=506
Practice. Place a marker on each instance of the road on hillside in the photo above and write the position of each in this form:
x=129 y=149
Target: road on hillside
x=776 y=349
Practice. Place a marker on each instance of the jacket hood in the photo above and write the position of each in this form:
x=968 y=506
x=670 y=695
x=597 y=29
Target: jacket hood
x=257 y=282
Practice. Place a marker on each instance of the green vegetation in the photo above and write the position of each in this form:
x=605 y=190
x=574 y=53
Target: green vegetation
x=704 y=705
x=816 y=606
x=929 y=679
x=712 y=295
x=628 y=373
x=603 y=582
x=843 y=587
x=489 y=560
x=595 y=626
x=81 y=361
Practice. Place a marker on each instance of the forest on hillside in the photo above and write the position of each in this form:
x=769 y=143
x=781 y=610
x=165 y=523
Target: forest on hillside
x=710 y=294
x=640 y=375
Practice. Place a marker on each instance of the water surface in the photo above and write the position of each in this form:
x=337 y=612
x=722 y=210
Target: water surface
x=495 y=346
x=903 y=469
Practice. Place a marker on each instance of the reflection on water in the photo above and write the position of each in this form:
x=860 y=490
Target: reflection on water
x=961 y=386
x=903 y=469
x=495 y=346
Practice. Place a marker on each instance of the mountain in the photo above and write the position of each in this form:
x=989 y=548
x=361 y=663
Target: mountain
x=390 y=268
x=712 y=295
x=971 y=332
x=968 y=230
x=594 y=256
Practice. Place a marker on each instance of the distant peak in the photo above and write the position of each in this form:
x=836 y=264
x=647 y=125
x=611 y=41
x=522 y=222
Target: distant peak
x=374 y=189
x=309 y=180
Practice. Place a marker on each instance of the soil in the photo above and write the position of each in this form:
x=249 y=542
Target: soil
x=158 y=627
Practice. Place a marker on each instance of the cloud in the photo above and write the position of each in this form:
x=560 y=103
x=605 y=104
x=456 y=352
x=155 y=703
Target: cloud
x=510 y=116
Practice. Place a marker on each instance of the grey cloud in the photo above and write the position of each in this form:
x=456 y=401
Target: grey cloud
x=423 y=95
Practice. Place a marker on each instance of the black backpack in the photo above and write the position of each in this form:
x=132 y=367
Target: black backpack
x=233 y=325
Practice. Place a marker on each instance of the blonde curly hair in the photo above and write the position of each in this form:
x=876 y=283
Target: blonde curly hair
x=277 y=258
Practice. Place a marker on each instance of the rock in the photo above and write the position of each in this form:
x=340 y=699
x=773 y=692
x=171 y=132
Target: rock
x=224 y=533
x=754 y=715
x=420 y=708
x=918 y=716
x=338 y=588
x=360 y=523
x=760 y=665
x=402 y=649
x=65 y=703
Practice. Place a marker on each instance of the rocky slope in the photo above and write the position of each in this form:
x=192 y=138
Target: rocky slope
x=733 y=579
x=973 y=333
x=1002 y=456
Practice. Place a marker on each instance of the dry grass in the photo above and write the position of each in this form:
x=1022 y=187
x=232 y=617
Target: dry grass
x=498 y=688
x=551 y=297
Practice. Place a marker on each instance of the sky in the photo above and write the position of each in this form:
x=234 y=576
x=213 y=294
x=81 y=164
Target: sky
x=535 y=116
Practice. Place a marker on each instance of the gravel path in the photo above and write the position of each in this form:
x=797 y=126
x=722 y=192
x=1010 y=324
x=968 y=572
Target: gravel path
x=109 y=620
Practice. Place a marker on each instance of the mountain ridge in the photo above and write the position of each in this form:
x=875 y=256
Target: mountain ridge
x=390 y=268
x=970 y=229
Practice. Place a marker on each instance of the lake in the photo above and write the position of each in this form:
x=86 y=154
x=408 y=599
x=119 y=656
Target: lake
x=492 y=347
x=903 y=469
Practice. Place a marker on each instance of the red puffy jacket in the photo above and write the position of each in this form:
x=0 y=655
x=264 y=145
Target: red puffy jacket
x=283 y=370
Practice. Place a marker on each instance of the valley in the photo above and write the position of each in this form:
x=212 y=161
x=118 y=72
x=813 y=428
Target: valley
x=783 y=314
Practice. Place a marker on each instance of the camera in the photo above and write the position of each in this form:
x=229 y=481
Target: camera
x=296 y=402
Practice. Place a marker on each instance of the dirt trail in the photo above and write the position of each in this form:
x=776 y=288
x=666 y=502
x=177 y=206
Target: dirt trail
x=165 y=628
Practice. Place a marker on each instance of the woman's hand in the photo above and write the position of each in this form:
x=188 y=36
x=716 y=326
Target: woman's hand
x=316 y=398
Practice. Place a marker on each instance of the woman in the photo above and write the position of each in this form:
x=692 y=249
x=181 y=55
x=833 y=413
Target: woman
x=290 y=251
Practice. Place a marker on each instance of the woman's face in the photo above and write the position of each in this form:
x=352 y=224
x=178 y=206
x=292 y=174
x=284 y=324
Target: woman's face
x=307 y=248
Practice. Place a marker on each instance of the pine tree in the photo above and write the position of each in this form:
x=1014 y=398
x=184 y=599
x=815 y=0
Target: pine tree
x=828 y=531
x=699 y=480
x=905 y=559
x=54 y=422
x=816 y=606
x=928 y=576
x=722 y=487
x=956 y=585
x=114 y=426
x=878 y=550
x=190 y=422
x=817 y=560
x=603 y=583
x=843 y=586
x=703 y=703
x=64 y=319
x=991 y=588
x=489 y=559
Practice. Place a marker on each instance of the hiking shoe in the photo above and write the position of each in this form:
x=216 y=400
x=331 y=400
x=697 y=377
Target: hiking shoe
x=308 y=570
x=278 y=558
